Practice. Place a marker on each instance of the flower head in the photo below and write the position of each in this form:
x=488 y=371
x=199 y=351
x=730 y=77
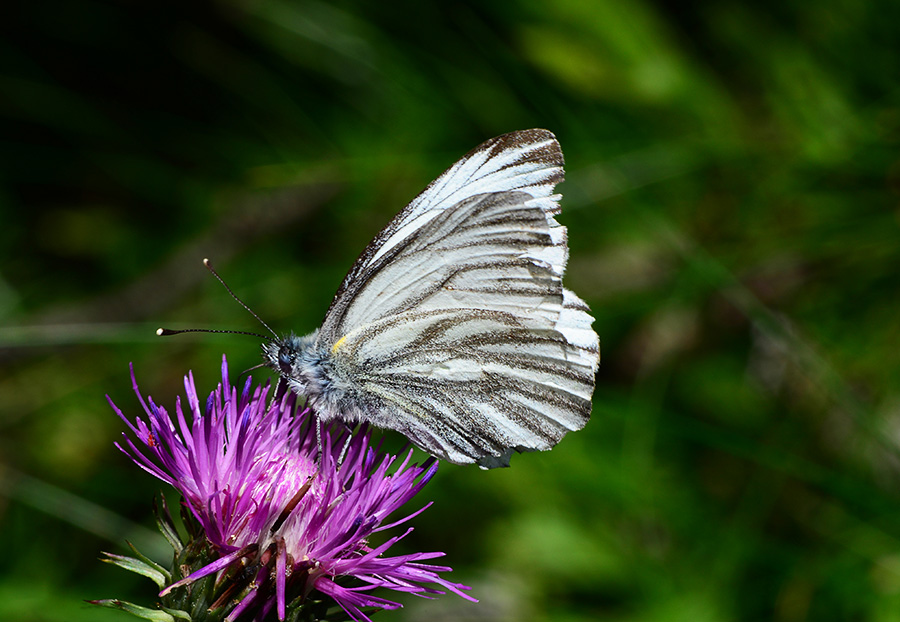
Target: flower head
x=282 y=514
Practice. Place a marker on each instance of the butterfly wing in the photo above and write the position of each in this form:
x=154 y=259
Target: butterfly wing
x=454 y=328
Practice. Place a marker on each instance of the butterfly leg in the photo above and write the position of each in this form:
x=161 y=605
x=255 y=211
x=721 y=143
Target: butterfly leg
x=319 y=440
x=280 y=389
x=346 y=445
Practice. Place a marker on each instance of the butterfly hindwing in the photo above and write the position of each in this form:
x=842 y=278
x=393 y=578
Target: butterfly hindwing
x=469 y=384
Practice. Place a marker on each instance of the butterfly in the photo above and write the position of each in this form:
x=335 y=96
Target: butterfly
x=453 y=327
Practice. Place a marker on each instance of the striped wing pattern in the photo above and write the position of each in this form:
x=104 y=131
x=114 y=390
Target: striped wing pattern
x=529 y=161
x=454 y=328
x=471 y=385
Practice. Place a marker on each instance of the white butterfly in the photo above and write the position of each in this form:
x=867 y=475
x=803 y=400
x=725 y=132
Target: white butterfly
x=453 y=326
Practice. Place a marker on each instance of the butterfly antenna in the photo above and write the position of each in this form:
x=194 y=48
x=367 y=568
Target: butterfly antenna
x=165 y=332
x=209 y=267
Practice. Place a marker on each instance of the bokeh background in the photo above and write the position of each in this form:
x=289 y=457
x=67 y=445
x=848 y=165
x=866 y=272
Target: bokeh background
x=732 y=203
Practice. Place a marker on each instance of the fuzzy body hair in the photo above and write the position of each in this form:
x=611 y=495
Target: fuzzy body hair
x=310 y=370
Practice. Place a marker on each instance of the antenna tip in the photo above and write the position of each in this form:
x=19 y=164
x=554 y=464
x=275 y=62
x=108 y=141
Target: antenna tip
x=206 y=262
x=160 y=331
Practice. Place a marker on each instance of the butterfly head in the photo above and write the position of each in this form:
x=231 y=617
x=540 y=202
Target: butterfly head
x=282 y=354
x=299 y=362
x=287 y=355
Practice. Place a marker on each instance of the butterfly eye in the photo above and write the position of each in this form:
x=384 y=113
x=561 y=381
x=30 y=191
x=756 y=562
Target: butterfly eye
x=286 y=358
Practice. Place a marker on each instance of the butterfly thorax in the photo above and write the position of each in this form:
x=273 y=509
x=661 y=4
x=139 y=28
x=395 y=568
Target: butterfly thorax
x=308 y=370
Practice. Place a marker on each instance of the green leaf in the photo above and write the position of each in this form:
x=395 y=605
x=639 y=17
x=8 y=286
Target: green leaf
x=160 y=577
x=166 y=524
x=150 y=562
x=176 y=613
x=142 y=612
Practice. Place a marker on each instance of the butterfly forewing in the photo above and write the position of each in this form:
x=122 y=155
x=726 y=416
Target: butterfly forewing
x=494 y=251
x=529 y=161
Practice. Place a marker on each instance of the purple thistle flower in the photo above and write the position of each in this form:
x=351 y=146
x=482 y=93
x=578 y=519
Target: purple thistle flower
x=280 y=519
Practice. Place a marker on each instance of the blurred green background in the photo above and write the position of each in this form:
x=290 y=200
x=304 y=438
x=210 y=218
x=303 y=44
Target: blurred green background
x=732 y=204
